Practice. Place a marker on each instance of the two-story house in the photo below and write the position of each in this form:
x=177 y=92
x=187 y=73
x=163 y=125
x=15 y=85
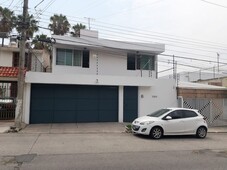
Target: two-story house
x=35 y=60
x=97 y=80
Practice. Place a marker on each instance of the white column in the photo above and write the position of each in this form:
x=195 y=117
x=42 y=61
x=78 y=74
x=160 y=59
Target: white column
x=27 y=94
x=120 y=103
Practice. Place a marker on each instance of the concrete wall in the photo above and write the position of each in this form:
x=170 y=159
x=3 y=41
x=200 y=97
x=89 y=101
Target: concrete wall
x=6 y=58
x=153 y=93
x=161 y=95
x=102 y=63
x=218 y=81
x=202 y=93
x=40 y=60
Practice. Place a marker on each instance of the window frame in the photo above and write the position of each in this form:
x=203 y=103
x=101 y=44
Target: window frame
x=81 y=57
x=138 y=58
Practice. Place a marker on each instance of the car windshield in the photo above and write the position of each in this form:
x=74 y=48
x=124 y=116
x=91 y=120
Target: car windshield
x=158 y=113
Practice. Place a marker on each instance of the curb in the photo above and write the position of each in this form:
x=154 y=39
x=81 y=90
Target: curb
x=217 y=132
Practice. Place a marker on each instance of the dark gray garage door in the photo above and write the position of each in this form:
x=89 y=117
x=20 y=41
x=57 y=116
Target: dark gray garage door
x=130 y=103
x=73 y=103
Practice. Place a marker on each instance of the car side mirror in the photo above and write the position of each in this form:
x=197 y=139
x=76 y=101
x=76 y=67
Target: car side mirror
x=168 y=118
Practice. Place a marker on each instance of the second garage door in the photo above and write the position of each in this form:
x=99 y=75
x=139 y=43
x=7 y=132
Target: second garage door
x=73 y=103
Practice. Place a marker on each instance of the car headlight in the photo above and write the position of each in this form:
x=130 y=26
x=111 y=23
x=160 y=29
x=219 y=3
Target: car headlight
x=146 y=123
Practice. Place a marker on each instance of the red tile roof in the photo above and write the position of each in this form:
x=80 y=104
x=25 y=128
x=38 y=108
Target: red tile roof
x=9 y=71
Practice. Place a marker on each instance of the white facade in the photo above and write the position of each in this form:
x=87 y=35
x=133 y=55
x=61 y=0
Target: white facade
x=39 y=58
x=6 y=56
x=108 y=66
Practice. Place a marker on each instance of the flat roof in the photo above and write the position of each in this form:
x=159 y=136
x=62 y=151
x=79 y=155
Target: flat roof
x=154 y=48
x=189 y=85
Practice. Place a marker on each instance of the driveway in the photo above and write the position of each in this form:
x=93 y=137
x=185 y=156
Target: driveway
x=77 y=128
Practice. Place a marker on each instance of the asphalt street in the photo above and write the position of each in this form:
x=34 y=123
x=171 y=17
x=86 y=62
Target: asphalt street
x=111 y=151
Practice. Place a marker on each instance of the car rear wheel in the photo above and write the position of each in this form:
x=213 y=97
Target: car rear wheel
x=201 y=132
x=156 y=132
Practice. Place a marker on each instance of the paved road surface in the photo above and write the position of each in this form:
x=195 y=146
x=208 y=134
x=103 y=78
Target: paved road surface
x=111 y=151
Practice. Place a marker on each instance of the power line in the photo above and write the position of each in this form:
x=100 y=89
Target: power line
x=126 y=10
x=187 y=47
x=170 y=50
x=181 y=47
x=38 y=4
x=144 y=30
x=214 y=4
x=10 y=4
x=133 y=29
x=141 y=45
x=196 y=59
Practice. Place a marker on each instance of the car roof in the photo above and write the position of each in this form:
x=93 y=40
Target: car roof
x=181 y=108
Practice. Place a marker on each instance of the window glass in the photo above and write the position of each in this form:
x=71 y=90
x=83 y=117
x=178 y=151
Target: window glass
x=188 y=113
x=68 y=57
x=85 y=59
x=158 y=113
x=77 y=58
x=72 y=57
x=177 y=114
x=60 y=59
x=131 y=62
x=152 y=63
x=143 y=62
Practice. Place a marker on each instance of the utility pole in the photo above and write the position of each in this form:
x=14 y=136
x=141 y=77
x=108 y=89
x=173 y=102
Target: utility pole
x=174 y=69
x=218 y=61
x=20 y=82
x=89 y=21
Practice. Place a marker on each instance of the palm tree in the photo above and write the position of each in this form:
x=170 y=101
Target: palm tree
x=76 y=29
x=39 y=43
x=7 y=19
x=59 y=24
x=31 y=25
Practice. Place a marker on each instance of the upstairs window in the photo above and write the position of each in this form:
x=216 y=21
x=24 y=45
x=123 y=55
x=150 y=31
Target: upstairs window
x=27 y=62
x=70 y=57
x=131 y=62
x=140 y=62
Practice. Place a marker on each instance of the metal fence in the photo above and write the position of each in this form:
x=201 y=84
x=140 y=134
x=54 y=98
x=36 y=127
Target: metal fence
x=214 y=110
x=8 y=93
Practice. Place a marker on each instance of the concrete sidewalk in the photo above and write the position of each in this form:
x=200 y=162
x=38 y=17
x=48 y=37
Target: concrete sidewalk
x=5 y=126
x=80 y=128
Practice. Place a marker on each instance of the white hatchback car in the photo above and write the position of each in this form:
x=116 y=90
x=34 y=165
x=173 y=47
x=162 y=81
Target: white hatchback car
x=171 y=121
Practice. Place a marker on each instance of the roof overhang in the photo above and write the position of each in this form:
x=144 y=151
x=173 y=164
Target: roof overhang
x=105 y=44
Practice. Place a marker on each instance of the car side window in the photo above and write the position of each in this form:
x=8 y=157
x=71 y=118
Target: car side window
x=188 y=114
x=177 y=114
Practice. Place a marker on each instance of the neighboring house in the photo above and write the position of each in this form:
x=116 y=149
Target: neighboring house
x=35 y=60
x=211 y=101
x=195 y=76
x=221 y=81
x=97 y=80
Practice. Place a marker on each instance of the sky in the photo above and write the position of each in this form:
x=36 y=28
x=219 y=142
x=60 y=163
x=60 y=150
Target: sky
x=190 y=29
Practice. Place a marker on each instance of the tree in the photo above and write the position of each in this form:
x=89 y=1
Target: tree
x=59 y=24
x=7 y=19
x=76 y=29
x=31 y=25
x=40 y=42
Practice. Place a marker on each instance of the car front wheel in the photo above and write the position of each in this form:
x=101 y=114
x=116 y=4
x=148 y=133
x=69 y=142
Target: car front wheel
x=201 y=132
x=156 y=133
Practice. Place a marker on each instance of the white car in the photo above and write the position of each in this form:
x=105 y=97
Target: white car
x=171 y=121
